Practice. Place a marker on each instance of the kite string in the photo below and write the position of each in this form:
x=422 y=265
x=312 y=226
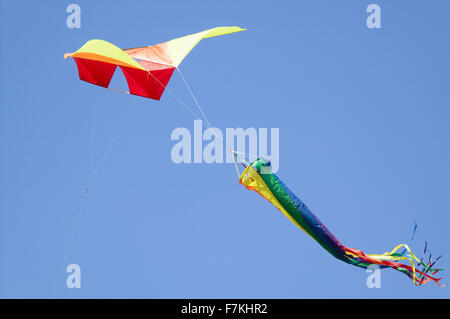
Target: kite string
x=83 y=201
x=91 y=147
x=69 y=243
x=102 y=159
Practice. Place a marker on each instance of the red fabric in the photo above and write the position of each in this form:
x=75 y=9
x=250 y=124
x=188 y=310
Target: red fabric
x=95 y=72
x=392 y=264
x=149 y=83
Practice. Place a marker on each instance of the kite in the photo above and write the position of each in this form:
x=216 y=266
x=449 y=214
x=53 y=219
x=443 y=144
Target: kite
x=258 y=177
x=147 y=69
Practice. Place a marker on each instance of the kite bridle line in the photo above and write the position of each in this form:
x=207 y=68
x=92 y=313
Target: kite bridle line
x=117 y=90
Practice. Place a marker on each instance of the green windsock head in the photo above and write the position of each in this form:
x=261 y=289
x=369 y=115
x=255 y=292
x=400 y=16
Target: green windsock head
x=262 y=166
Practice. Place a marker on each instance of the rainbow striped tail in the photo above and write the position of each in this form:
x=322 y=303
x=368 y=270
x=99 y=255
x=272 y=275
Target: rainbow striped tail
x=258 y=177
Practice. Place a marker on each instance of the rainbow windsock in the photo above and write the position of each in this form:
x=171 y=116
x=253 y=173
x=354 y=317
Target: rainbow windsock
x=258 y=177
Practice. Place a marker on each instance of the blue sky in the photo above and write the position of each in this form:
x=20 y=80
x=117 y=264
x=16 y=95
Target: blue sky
x=364 y=142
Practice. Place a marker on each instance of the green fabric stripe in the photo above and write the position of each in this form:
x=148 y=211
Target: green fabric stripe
x=285 y=200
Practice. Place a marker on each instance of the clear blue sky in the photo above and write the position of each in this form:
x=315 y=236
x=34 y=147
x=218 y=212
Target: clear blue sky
x=364 y=140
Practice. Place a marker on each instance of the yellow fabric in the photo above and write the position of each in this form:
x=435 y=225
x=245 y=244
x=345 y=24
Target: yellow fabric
x=251 y=179
x=104 y=51
x=388 y=256
x=180 y=47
